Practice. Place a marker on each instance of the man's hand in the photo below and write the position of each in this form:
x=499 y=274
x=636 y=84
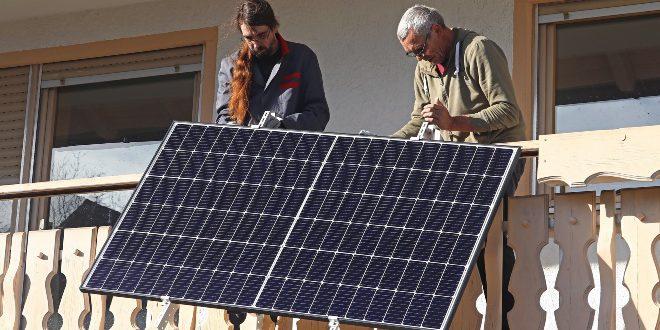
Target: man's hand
x=438 y=115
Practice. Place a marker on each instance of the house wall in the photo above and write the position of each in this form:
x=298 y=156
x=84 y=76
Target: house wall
x=367 y=78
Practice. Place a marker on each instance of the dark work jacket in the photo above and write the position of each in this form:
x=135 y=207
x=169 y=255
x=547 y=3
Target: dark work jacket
x=294 y=90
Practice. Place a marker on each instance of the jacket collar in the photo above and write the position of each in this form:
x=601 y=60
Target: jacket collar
x=284 y=46
x=258 y=78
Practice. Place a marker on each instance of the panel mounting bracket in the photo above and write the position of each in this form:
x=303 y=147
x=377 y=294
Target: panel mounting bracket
x=269 y=120
x=165 y=313
x=333 y=323
x=428 y=132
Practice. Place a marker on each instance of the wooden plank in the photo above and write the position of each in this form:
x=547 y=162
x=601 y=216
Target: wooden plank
x=579 y=158
x=5 y=249
x=251 y=321
x=528 y=148
x=11 y=135
x=13 y=81
x=575 y=229
x=284 y=323
x=13 y=98
x=528 y=234
x=523 y=75
x=98 y=301
x=267 y=323
x=8 y=124
x=41 y=264
x=12 y=286
x=15 y=71
x=78 y=251
x=640 y=227
x=212 y=319
x=493 y=255
x=124 y=311
x=606 y=250
x=467 y=316
x=10 y=161
x=65 y=187
x=13 y=115
x=312 y=325
x=12 y=111
x=187 y=317
x=14 y=89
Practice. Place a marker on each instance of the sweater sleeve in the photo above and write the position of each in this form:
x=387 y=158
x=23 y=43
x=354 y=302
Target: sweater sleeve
x=411 y=128
x=488 y=66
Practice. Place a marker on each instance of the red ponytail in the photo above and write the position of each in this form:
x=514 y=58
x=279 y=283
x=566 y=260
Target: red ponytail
x=240 y=86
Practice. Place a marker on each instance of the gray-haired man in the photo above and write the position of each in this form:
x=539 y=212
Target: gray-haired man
x=462 y=85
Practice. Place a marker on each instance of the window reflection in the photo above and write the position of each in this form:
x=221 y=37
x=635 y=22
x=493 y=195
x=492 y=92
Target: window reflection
x=5 y=216
x=608 y=77
x=111 y=128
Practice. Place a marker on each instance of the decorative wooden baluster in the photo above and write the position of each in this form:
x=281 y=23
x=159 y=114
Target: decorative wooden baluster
x=125 y=311
x=12 y=286
x=99 y=301
x=640 y=227
x=606 y=249
x=575 y=216
x=251 y=322
x=41 y=264
x=5 y=249
x=285 y=323
x=528 y=234
x=78 y=250
x=350 y=327
x=268 y=322
x=312 y=325
x=493 y=255
x=187 y=317
x=154 y=309
x=212 y=319
x=467 y=316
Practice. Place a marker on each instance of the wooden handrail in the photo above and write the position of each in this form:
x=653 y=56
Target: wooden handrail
x=528 y=148
x=130 y=181
x=65 y=187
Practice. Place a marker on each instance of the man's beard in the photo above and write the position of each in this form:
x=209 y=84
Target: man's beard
x=265 y=52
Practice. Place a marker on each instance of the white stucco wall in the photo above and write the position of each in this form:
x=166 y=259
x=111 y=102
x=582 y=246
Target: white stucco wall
x=367 y=78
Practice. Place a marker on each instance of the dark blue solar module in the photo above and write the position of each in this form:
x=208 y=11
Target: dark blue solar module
x=371 y=230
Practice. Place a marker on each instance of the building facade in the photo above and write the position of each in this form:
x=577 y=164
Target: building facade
x=87 y=88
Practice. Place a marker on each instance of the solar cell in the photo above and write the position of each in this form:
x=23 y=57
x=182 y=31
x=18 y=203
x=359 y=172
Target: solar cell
x=371 y=230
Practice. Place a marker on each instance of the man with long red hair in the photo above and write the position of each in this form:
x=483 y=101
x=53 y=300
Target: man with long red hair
x=269 y=73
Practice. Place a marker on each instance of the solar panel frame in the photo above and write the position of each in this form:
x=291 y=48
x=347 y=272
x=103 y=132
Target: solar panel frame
x=253 y=308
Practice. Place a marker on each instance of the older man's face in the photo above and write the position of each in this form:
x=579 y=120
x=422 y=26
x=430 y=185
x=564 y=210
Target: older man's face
x=261 y=39
x=434 y=47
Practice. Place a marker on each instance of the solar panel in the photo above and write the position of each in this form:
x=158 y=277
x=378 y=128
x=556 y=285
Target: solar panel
x=371 y=230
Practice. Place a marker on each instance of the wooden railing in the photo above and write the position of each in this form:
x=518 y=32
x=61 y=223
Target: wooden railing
x=31 y=261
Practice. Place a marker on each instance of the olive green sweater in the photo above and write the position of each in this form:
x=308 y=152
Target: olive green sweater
x=481 y=88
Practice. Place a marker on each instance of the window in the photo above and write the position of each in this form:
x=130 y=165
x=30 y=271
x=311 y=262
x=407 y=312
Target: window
x=111 y=128
x=598 y=73
x=95 y=119
x=608 y=74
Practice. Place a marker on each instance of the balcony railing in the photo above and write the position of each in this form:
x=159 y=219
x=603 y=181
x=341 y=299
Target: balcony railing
x=29 y=261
